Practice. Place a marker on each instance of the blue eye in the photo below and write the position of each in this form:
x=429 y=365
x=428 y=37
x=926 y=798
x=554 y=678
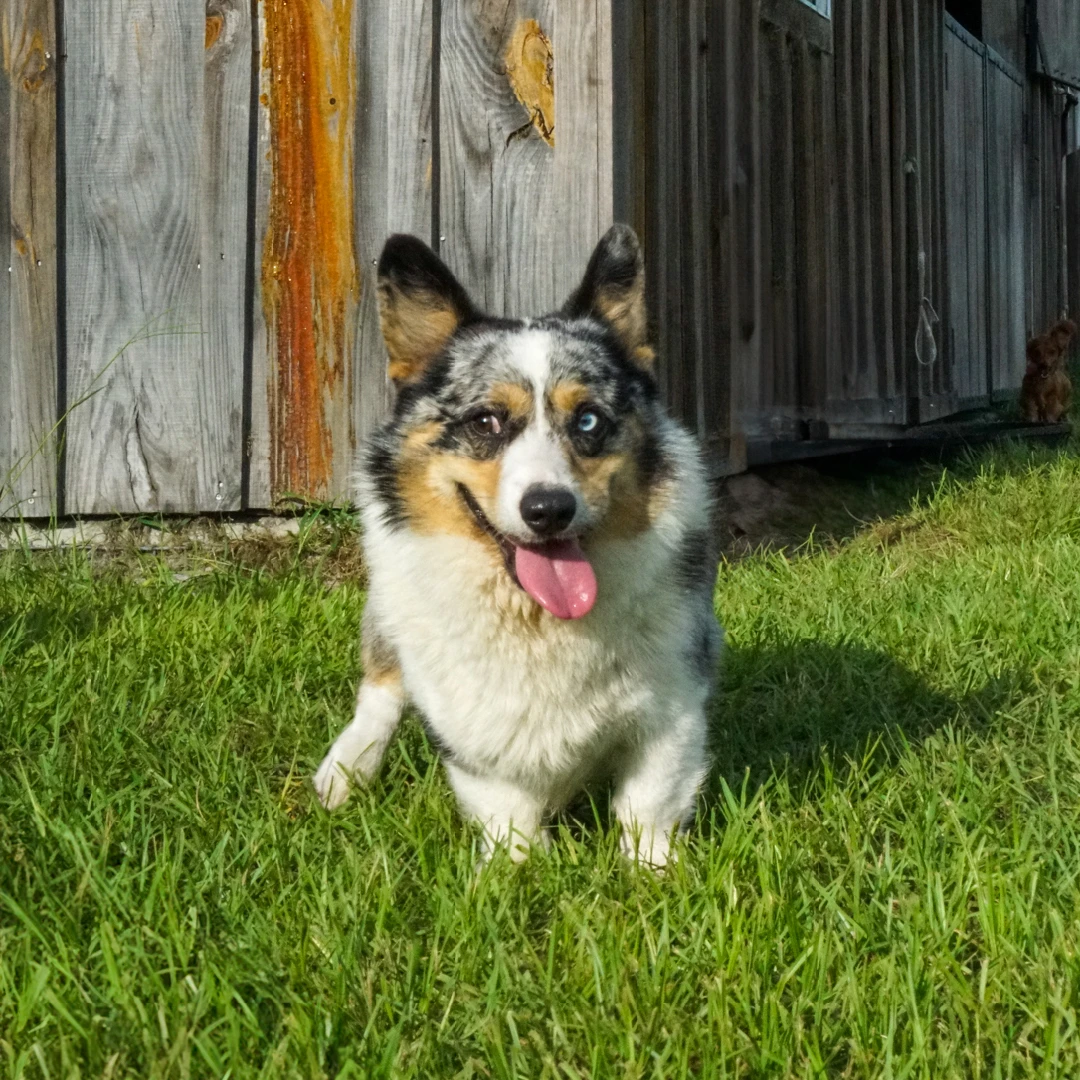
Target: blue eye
x=588 y=422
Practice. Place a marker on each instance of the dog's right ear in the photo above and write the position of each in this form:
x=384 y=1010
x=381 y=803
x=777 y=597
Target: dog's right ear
x=613 y=290
x=421 y=305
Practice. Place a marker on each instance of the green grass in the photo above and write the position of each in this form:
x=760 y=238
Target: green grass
x=883 y=881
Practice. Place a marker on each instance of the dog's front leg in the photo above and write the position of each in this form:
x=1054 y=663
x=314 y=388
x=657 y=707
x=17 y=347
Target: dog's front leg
x=510 y=815
x=657 y=789
x=358 y=750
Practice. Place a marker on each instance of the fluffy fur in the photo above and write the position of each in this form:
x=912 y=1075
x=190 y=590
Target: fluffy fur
x=1046 y=393
x=526 y=708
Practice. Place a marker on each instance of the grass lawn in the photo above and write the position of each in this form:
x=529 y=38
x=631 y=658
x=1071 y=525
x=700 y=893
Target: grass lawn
x=883 y=881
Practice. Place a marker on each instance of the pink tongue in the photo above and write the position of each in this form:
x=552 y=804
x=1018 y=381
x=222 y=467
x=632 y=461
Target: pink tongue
x=558 y=577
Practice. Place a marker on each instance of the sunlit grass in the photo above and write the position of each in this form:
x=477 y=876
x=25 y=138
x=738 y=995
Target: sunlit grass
x=883 y=881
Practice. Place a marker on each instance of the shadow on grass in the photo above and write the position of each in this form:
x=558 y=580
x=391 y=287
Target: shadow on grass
x=780 y=709
x=785 y=710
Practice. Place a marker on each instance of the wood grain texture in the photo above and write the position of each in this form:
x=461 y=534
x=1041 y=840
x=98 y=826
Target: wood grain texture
x=1072 y=225
x=1005 y=232
x=885 y=380
x=814 y=223
x=1004 y=29
x=517 y=216
x=28 y=286
x=394 y=173
x=965 y=163
x=261 y=345
x=1058 y=55
x=1045 y=221
x=666 y=184
x=308 y=280
x=160 y=431
x=395 y=166
x=904 y=259
x=225 y=235
x=776 y=412
x=497 y=211
x=7 y=394
x=735 y=61
x=582 y=169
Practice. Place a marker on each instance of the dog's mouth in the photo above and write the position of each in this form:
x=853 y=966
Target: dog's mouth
x=556 y=574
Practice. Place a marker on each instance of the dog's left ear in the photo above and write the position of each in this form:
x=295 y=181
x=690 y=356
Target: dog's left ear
x=613 y=290
x=421 y=305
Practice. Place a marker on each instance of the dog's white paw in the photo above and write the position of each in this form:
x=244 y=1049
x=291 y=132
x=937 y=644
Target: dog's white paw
x=649 y=849
x=332 y=784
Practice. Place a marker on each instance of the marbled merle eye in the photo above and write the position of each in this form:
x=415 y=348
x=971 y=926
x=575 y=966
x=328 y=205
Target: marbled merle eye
x=487 y=425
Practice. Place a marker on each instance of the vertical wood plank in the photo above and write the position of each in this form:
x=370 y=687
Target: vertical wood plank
x=523 y=195
x=582 y=182
x=307 y=282
x=812 y=211
x=780 y=391
x=1005 y=234
x=497 y=210
x=663 y=250
x=884 y=380
x=965 y=143
x=261 y=347
x=28 y=273
x=860 y=218
x=738 y=92
x=903 y=326
x=394 y=174
x=1072 y=224
x=225 y=237
x=161 y=429
x=8 y=453
x=844 y=366
x=978 y=265
x=395 y=165
x=932 y=14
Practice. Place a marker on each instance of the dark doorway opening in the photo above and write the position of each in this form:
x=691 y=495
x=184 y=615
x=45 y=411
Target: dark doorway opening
x=968 y=13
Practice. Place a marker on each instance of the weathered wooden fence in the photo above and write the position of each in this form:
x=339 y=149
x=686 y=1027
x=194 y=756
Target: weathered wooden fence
x=196 y=192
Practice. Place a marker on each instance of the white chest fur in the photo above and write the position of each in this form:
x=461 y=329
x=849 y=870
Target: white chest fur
x=511 y=690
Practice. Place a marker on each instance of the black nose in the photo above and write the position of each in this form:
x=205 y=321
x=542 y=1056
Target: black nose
x=547 y=510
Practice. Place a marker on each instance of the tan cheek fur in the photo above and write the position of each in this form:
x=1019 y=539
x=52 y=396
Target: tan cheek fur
x=427 y=482
x=613 y=490
x=611 y=485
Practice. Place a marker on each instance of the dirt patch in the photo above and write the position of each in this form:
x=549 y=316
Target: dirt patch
x=324 y=544
x=785 y=506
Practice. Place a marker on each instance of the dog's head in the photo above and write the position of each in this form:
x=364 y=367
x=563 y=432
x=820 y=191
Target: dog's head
x=1047 y=352
x=1043 y=356
x=531 y=436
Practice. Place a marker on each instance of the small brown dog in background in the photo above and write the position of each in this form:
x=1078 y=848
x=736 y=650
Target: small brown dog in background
x=1046 y=393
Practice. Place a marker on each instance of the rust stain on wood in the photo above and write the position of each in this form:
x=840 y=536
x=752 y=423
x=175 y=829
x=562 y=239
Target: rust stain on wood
x=309 y=272
x=214 y=25
x=530 y=69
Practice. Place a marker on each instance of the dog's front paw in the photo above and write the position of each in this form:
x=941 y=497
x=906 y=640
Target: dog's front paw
x=649 y=848
x=332 y=783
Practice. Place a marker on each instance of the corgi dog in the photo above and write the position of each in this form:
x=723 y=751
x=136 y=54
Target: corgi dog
x=1046 y=393
x=541 y=568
